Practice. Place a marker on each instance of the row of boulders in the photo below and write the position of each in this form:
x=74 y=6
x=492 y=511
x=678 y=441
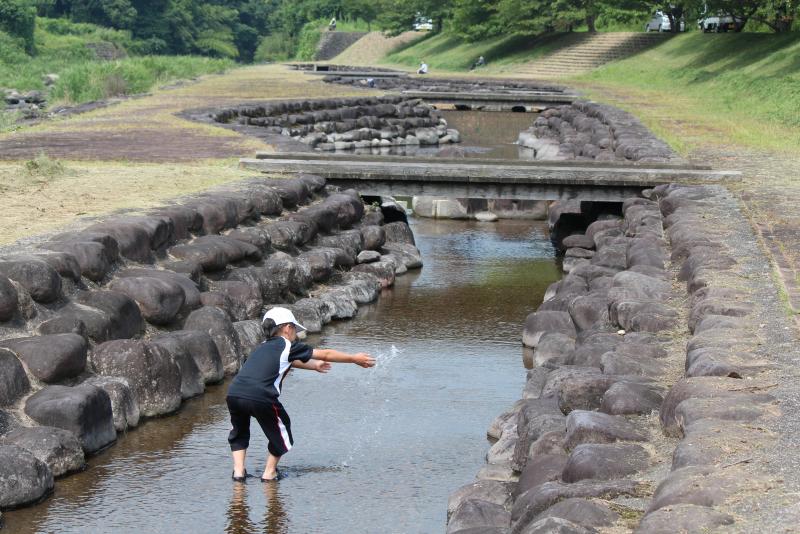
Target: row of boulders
x=29 y=103
x=581 y=451
x=569 y=453
x=447 y=85
x=348 y=123
x=132 y=315
x=591 y=131
x=720 y=408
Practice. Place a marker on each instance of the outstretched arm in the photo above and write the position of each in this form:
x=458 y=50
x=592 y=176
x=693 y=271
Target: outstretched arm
x=330 y=355
x=312 y=365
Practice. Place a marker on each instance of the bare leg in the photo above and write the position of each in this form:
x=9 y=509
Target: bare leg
x=238 y=462
x=271 y=471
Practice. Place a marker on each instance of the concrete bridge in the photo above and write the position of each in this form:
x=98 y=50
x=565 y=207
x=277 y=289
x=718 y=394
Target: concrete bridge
x=477 y=178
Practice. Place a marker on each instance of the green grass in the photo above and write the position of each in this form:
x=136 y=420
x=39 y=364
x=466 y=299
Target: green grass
x=742 y=87
x=62 y=49
x=447 y=52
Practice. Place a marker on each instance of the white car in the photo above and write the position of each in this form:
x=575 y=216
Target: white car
x=660 y=23
x=721 y=23
x=423 y=25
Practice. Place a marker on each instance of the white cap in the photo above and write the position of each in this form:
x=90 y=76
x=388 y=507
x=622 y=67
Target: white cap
x=283 y=316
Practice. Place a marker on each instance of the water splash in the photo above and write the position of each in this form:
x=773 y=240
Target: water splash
x=374 y=391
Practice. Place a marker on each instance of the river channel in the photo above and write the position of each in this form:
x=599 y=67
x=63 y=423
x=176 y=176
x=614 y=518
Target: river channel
x=377 y=451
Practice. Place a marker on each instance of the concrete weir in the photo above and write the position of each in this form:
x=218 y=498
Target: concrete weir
x=524 y=180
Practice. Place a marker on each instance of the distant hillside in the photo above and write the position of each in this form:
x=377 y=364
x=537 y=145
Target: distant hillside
x=373 y=47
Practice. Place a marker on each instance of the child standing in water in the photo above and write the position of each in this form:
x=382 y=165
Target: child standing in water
x=255 y=390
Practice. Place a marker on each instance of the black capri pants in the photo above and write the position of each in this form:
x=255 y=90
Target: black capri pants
x=272 y=418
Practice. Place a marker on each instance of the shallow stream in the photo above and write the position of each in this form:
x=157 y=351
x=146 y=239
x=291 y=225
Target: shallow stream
x=375 y=450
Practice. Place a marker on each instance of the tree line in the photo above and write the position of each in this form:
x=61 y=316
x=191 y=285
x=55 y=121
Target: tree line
x=238 y=28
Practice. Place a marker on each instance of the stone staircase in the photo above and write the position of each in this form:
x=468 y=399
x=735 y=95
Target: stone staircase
x=588 y=51
x=331 y=44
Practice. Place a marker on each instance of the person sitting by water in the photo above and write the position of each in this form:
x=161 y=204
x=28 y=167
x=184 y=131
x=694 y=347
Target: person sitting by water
x=332 y=24
x=423 y=68
x=255 y=390
x=480 y=63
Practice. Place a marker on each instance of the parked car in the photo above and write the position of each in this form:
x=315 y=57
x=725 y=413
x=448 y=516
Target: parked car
x=721 y=23
x=659 y=22
x=423 y=25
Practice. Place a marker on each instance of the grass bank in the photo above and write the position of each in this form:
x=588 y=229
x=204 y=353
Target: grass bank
x=70 y=50
x=712 y=88
x=447 y=52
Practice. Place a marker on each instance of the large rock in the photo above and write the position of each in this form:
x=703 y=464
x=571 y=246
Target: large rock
x=57 y=448
x=51 y=358
x=14 y=382
x=628 y=398
x=8 y=299
x=536 y=418
x=540 y=469
x=154 y=377
x=124 y=407
x=192 y=382
x=541 y=322
x=250 y=335
x=187 y=283
x=83 y=410
x=596 y=427
x=118 y=318
x=94 y=253
x=474 y=513
x=604 y=461
x=683 y=518
x=202 y=348
x=484 y=490
x=244 y=299
x=215 y=322
x=583 y=512
x=24 y=479
x=399 y=232
x=41 y=281
x=702 y=485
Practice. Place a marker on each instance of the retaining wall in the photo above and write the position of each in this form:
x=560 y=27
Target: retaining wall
x=132 y=315
x=626 y=421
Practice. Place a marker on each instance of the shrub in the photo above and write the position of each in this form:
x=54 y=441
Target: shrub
x=309 y=39
x=18 y=18
x=275 y=47
x=12 y=50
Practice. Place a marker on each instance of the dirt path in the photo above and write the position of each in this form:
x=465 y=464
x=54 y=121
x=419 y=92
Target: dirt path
x=137 y=153
x=769 y=190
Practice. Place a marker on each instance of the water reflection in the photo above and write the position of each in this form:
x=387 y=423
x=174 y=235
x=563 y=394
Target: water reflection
x=275 y=519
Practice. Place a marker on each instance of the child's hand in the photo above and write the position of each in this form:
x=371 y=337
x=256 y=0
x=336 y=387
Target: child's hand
x=321 y=366
x=364 y=360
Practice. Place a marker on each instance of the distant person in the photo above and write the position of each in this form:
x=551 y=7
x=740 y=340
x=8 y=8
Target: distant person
x=255 y=390
x=423 y=68
x=480 y=63
x=332 y=25
x=371 y=82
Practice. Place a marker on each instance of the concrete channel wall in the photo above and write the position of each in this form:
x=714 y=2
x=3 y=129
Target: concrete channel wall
x=651 y=404
x=132 y=315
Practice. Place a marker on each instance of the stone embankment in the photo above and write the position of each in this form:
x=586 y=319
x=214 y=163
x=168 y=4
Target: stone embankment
x=130 y=316
x=627 y=421
x=590 y=131
x=347 y=123
x=446 y=85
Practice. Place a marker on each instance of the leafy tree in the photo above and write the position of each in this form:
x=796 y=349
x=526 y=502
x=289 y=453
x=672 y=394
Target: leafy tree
x=18 y=19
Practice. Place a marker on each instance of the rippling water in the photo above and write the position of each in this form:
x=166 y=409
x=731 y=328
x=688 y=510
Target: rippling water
x=377 y=451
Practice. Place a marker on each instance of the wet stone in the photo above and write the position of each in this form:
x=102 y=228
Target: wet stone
x=57 y=448
x=192 y=383
x=553 y=347
x=536 y=417
x=24 y=479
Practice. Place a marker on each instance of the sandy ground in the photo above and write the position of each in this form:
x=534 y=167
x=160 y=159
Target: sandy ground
x=137 y=153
